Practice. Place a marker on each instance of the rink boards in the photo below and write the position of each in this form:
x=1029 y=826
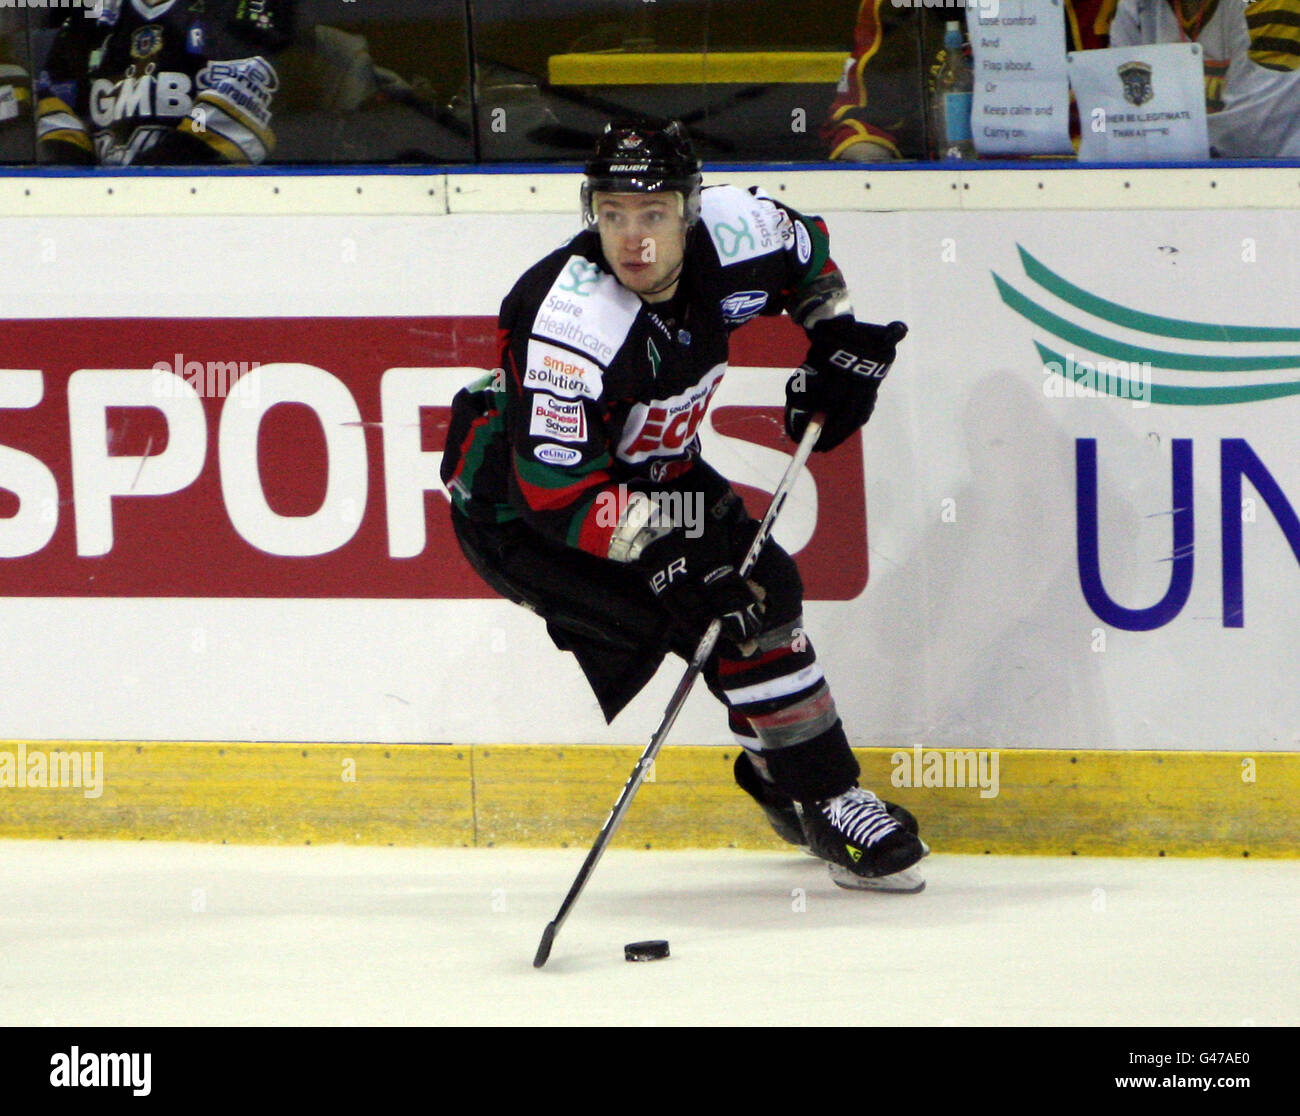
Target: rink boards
x=1068 y=536
x=1044 y=801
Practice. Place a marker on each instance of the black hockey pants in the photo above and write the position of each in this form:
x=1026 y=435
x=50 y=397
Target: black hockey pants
x=607 y=617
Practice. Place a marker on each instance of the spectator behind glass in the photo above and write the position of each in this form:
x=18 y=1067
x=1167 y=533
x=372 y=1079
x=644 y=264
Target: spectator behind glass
x=170 y=82
x=15 y=89
x=878 y=112
x=1252 y=66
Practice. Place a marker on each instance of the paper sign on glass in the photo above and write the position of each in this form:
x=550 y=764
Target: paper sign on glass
x=1022 y=88
x=1141 y=103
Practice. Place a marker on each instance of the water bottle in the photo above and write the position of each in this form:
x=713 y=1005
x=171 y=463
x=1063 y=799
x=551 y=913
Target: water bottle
x=954 y=86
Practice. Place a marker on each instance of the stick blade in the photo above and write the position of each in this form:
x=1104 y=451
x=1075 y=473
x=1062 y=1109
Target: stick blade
x=544 y=947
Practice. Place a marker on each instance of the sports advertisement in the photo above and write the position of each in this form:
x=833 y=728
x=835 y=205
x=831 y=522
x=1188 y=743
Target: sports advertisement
x=1071 y=521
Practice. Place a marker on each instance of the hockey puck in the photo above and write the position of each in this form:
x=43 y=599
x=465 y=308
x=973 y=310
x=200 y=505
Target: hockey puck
x=645 y=951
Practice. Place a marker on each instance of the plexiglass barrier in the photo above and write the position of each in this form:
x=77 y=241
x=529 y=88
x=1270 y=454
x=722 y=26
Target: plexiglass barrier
x=212 y=82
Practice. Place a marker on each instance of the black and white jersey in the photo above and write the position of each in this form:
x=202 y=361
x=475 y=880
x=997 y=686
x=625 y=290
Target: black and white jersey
x=598 y=388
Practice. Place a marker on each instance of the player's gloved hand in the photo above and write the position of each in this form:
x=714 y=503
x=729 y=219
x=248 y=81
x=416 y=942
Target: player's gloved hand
x=840 y=377
x=694 y=573
x=716 y=594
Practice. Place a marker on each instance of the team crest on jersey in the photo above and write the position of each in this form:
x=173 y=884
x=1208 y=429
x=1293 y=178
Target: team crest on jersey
x=147 y=41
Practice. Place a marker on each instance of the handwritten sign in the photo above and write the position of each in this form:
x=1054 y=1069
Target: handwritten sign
x=1022 y=88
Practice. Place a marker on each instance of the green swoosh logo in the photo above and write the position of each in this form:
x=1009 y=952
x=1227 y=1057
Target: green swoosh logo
x=1147 y=323
x=1169 y=393
x=1158 y=326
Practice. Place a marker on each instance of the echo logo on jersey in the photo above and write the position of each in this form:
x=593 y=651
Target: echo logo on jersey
x=561 y=419
x=665 y=427
x=743 y=305
x=558 y=455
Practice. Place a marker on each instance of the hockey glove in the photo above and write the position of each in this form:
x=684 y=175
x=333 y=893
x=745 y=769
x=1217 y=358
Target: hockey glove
x=840 y=377
x=716 y=594
x=696 y=578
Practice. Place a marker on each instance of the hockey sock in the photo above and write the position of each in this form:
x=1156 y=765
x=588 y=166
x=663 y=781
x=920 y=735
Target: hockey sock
x=780 y=693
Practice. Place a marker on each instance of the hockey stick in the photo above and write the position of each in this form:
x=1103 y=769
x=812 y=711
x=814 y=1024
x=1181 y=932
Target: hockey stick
x=701 y=656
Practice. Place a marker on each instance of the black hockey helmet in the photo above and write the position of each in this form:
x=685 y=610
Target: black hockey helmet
x=637 y=158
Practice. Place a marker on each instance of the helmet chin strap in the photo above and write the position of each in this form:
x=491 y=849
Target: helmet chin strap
x=672 y=278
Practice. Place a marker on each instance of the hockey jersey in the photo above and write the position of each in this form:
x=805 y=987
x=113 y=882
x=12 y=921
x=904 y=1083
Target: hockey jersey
x=162 y=82
x=597 y=388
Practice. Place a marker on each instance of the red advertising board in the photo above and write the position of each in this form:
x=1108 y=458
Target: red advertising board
x=105 y=493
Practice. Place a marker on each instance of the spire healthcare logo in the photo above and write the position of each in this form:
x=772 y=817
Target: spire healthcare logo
x=1189 y=379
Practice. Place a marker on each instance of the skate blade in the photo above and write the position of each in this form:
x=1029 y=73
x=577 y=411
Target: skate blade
x=925 y=851
x=908 y=882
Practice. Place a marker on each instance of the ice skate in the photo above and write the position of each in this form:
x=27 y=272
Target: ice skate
x=866 y=847
x=782 y=815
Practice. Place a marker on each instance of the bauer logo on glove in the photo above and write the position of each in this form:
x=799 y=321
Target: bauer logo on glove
x=851 y=362
x=840 y=377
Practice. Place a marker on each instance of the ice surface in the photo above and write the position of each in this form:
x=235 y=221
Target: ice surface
x=135 y=933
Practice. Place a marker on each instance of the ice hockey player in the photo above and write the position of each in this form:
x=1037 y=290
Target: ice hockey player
x=566 y=467
x=160 y=82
